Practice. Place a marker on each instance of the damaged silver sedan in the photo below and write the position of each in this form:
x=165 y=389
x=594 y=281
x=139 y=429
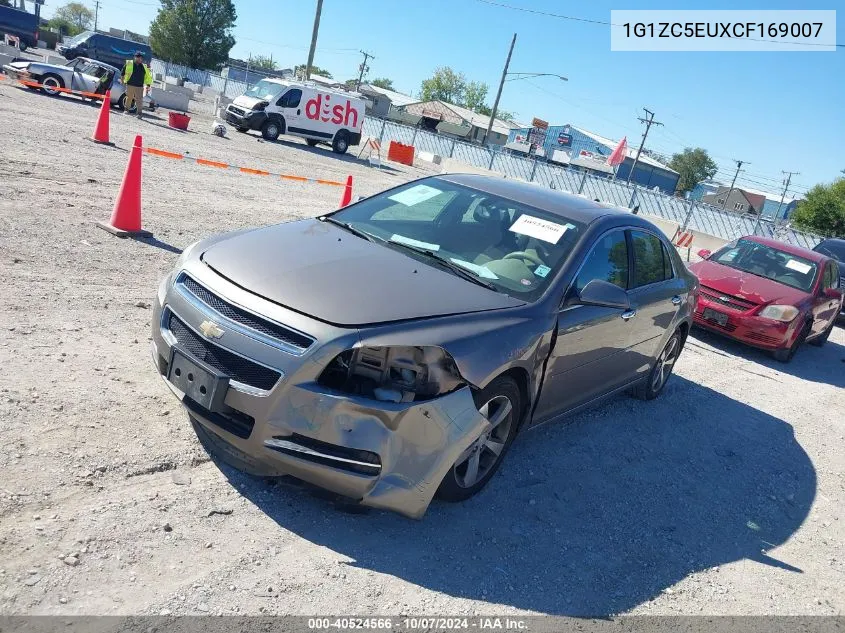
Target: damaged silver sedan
x=392 y=350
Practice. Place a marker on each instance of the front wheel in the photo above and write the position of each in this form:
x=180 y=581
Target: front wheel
x=271 y=130
x=785 y=355
x=340 y=143
x=51 y=84
x=822 y=339
x=501 y=404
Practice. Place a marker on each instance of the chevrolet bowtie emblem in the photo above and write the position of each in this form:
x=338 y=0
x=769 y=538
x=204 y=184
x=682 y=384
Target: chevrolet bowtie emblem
x=211 y=329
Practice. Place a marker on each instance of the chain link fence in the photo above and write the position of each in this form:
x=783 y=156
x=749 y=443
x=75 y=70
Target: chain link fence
x=689 y=214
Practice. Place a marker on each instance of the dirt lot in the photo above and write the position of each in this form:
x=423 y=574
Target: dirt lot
x=723 y=496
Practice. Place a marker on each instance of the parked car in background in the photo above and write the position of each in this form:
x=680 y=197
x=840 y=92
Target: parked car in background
x=21 y=24
x=835 y=248
x=768 y=294
x=394 y=348
x=319 y=115
x=81 y=74
x=104 y=48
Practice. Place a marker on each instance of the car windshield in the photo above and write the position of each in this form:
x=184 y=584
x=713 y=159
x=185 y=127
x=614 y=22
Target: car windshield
x=76 y=39
x=771 y=263
x=264 y=89
x=511 y=247
x=835 y=249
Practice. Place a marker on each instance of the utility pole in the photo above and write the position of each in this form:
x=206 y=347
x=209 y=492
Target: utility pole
x=96 y=14
x=499 y=91
x=313 y=39
x=739 y=163
x=364 y=68
x=649 y=121
x=789 y=175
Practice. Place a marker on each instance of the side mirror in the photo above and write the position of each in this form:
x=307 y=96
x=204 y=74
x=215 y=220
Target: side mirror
x=605 y=294
x=704 y=253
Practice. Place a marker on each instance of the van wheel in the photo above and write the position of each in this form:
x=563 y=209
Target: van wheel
x=271 y=130
x=311 y=142
x=341 y=142
x=50 y=83
x=22 y=46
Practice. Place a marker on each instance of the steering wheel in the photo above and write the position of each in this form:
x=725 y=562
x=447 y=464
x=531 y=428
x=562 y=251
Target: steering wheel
x=525 y=255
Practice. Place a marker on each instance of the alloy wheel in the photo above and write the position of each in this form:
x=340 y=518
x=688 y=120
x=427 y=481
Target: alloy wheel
x=665 y=363
x=483 y=454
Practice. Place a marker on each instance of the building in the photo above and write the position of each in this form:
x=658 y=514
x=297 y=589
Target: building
x=447 y=118
x=584 y=150
x=771 y=205
x=737 y=200
x=382 y=102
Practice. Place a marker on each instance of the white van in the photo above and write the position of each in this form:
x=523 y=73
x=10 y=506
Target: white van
x=280 y=106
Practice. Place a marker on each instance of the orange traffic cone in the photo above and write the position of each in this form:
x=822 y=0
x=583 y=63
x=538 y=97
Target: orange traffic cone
x=101 y=129
x=347 y=193
x=126 y=217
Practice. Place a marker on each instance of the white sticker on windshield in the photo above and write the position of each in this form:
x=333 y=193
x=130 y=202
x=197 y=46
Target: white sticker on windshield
x=802 y=268
x=544 y=230
x=415 y=195
x=412 y=242
x=481 y=271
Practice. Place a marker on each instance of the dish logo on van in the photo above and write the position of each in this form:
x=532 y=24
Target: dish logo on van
x=319 y=109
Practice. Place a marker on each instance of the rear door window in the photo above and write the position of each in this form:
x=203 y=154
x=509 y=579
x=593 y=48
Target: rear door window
x=651 y=261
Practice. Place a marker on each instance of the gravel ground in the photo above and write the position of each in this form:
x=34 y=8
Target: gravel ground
x=724 y=496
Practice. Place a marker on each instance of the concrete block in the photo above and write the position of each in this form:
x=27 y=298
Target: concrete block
x=453 y=166
x=197 y=88
x=5 y=59
x=179 y=90
x=429 y=157
x=170 y=100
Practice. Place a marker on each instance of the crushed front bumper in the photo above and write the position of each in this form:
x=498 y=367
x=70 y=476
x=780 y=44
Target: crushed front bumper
x=762 y=333
x=382 y=454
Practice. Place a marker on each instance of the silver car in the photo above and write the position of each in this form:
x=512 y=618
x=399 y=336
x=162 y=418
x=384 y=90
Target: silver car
x=394 y=349
x=81 y=74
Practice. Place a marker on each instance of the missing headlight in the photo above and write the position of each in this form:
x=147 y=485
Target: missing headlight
x=398 y=374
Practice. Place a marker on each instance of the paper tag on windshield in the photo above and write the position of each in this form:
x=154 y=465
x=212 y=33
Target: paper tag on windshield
x=412 y=242
x=415 y=195
x=544 y=230
x=802 y=268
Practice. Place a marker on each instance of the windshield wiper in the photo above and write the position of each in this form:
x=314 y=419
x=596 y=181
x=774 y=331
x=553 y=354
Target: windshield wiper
x=446 y=263
x=352 y=229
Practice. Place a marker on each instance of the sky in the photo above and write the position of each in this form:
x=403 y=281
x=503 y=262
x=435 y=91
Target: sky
x=777 y=111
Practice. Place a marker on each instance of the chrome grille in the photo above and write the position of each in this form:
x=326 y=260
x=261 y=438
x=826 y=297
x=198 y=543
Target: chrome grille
x=290 y=338
x=236 y=110
x=731 y=301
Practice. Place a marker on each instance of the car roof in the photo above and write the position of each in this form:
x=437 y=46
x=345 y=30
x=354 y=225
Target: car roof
x=99 y=63
x=566 y=205
x=798 y=251
x=828 y=240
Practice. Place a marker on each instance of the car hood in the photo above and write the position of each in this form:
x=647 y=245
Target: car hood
x=322 y=270
x=248 y=103
x=741 y=284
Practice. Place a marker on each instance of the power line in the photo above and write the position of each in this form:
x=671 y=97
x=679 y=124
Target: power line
x=649 y=121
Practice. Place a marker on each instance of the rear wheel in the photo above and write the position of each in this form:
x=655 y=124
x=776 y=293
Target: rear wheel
x=121 y=103
x=271 y=130
x=501 y=404
x=662 y=369
x=50 y=84
x=341 y=142
x=785 y=355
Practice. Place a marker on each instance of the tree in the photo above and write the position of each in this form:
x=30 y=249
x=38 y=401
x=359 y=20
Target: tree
x=694 y=165
x=502 y=115
x=475 y=93
x=77 y=14
x=263 y=62
x=315 y=70
x=444 y=85
x=823 y=210
x=63 y=26
x=195 y=33
x=383 y=82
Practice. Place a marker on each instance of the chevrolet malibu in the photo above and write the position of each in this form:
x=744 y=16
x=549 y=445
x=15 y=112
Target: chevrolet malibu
x=393 y=349
x=768 y=294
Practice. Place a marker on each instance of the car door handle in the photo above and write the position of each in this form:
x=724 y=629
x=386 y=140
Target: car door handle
x=298 y=111
x=676 y=300
x=628 y=314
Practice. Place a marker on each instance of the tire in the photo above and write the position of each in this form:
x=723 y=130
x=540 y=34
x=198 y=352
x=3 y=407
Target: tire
x=22 y=46
x=341 y=142
x=271 y=130
x=820 y=340
x=661 y=371
x=121 y=103
x=785 y=355
x=242 y=130
x=49 y=81
x=311 y=142
x=488 y=451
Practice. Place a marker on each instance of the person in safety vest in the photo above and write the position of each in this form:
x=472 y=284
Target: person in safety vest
x=138 y=78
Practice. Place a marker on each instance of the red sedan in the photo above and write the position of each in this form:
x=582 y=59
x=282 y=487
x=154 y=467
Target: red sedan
x=768 y=294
